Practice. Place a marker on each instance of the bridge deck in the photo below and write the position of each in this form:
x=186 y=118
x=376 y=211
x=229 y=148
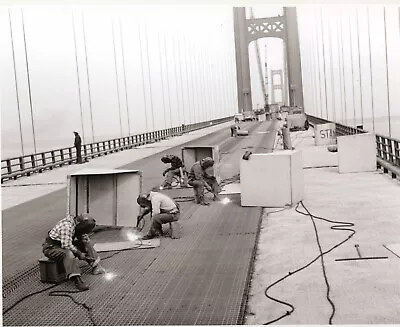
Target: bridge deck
x=201 y=278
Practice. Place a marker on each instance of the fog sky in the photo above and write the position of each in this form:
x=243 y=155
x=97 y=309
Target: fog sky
x=153 y=67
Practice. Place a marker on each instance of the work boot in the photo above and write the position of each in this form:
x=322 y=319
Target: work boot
x=216 y=197
x=80 y=285
x=98 y=270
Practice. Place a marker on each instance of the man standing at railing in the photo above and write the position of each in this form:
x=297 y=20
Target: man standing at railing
x=77 y=145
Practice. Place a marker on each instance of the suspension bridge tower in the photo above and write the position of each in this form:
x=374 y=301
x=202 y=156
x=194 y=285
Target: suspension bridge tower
x=248 y=30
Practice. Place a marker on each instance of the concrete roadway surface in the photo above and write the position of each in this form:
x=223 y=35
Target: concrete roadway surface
x=361 y=291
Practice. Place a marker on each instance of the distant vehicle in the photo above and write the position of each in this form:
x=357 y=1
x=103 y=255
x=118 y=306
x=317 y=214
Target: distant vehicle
x=297 y=119
x=238 y=117
x=249 y=116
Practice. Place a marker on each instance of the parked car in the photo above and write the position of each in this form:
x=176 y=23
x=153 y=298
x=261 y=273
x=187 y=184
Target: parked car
x=249 y=116
x=297 y=119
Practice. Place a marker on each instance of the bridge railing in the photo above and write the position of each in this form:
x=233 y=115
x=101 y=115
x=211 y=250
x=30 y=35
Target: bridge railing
x=13 y=168
x=388 y=149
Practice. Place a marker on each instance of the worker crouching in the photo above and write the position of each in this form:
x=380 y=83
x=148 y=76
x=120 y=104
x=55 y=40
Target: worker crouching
x=163 y=209
x=201 y=178
x=68 y=242
x=176 y=169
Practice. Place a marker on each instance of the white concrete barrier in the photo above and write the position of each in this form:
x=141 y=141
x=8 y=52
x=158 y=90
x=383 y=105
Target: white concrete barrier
x=272 y=179
x=357 y=153
x=325 y=134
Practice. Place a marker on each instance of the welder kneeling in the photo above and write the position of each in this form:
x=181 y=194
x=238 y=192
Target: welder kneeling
x=200 y=179
x=68 y=241
x=164 y=210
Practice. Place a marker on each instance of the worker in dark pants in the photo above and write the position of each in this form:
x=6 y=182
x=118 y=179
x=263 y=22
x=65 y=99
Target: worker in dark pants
x=175 y=170
x=68 y=241
x=78 y=145
x=163 y=209
x=200 y=177
x=234 y=129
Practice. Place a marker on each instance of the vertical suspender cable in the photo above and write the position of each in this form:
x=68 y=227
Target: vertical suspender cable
x=162 y=81
x=323 y=59
x=314 y=83
x=319 y=71
x=180 y=77
x=192 y=72
x=167 y=70
x=176 y=80
x=148 y=69
x=143 y=84
x=29 y=80
x=190 y=97
x=340 y=60
x=332 y=75
x=370 y=71
x=87 y=74
x=352 y=73
x=359 y=69
x=77 y=74
x=124 y=70
x=343 y=74
x=116 y=75
x=387 y=71
x=16 y=83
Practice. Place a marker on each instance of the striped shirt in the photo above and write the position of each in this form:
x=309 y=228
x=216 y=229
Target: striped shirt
x=64 y=232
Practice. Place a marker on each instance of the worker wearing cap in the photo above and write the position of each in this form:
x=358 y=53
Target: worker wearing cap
x=68 y=241
x=200 y=177
x=163 y=210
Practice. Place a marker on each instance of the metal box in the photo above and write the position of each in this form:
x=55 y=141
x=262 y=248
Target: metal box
x=109 y=195
x=192 y=154
x=51 y=271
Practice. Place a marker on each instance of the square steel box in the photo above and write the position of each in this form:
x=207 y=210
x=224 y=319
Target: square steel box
x=51 y=272
x=272 y=179
x=109 y=195
x=192 y=154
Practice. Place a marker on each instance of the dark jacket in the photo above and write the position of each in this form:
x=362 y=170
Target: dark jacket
x=78 y=140
x=175 y=161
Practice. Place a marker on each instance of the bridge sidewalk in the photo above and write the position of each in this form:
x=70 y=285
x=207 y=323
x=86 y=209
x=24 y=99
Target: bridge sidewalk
x=362 y=291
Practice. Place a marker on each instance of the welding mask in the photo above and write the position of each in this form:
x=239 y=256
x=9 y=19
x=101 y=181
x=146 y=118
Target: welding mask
x=85 y=224
x=166 y=159
x=207 y=163
x=143 y=201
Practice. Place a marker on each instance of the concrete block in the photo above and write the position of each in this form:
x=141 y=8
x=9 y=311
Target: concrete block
x=272 y=179
x=325 y=134
x=357 y=153
x=262 y=117
x=176 y=229
x=51 y=271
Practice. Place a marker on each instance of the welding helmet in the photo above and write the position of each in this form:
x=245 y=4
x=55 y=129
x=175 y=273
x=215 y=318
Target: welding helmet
x=85 y=224
x=206 y=162
x=143 y=201
x=166 y=159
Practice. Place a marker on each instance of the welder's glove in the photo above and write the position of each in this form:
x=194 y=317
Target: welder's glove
x=88 y=258
x=80 y=255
